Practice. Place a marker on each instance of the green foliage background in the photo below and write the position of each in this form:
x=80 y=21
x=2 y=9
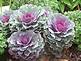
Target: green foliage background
x=76 y=17
x=60 y=5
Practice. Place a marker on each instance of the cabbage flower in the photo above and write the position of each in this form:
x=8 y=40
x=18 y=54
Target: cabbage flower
x=28 y=17
x=26 y=45
x=4 y=18
x=60 y=33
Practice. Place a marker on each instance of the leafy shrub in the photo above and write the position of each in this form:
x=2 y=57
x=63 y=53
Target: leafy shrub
x=69 y=5
x=2 y=41
x=60 y=5
x=76 y=17
x=4 y=2
x=4 y=31
x=52 y=3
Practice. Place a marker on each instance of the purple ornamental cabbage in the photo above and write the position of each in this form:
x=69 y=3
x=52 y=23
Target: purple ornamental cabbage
x=26 y=45
x=60 y=33
x=4 y=18
x=28 y=17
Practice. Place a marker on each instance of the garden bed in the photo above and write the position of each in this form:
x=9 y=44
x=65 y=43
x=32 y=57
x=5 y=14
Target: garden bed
x=40 y=31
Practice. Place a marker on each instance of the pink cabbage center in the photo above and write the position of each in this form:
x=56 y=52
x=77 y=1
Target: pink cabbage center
x=24 y=39
x=5 y=19
x=61 y=25
x=28 y=17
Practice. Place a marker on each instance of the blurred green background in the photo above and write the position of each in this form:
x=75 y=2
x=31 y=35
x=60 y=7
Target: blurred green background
x=60 y=5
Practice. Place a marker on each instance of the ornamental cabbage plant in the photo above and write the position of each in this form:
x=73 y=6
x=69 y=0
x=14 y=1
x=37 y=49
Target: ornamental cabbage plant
x=25 y=24
x=28 y=17
x=59 y=33
x=31 y=28
x=26 y=45
x=4 y=18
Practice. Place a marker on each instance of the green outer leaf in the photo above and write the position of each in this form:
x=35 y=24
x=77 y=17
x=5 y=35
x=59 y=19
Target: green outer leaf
x=75 y=4
x=66 y=2
x=79 y=47
x=1 y=1
x=1 y=50
x=79 y=1
x=61 y=6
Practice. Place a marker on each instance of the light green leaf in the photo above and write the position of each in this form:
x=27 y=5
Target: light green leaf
x=75 y=4
x=61 y=6
x=67 y=2
x=79 y=46
x=1 y=1
x=1 y=50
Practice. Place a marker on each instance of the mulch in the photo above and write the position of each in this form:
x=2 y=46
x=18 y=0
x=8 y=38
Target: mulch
x=70 y=54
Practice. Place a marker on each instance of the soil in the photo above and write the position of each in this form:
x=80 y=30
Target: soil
x=71 y=54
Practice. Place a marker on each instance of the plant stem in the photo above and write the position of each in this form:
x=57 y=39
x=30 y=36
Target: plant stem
x=78 y=7
x=1 y=8
x=10 y=4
